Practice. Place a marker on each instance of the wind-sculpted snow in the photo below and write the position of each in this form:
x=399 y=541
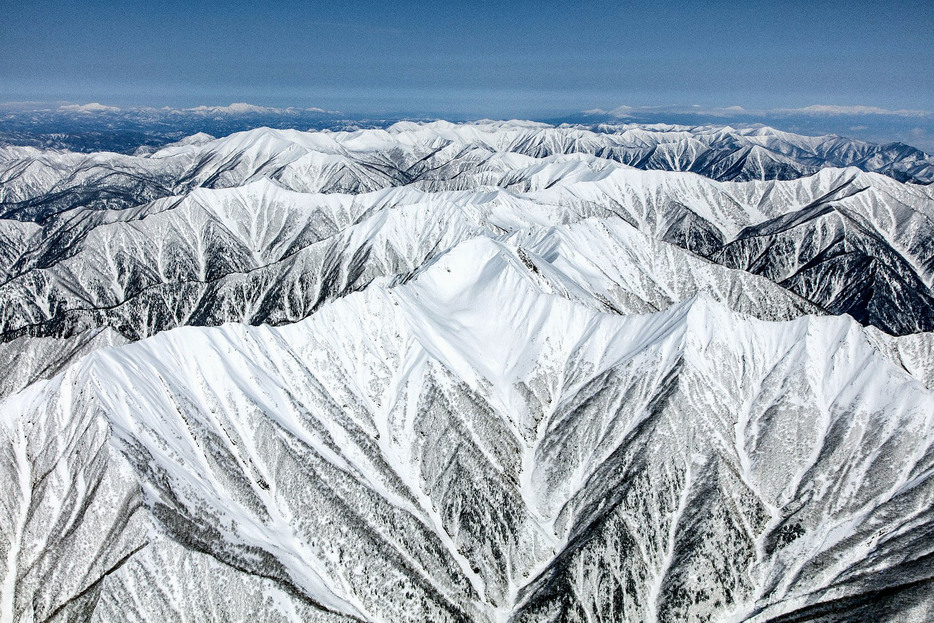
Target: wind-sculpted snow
x=480 y=441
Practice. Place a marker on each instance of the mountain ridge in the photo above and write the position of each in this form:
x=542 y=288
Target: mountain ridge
x=479 y=373
x=490 y=378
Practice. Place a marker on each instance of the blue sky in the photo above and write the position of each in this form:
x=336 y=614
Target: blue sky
x=484 y=58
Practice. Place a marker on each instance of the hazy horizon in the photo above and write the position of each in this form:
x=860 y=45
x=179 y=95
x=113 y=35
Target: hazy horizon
x=872 y=124
x=475 y=58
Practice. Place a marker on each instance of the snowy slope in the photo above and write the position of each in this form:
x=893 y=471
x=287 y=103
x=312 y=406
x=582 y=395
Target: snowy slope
x=468 y=445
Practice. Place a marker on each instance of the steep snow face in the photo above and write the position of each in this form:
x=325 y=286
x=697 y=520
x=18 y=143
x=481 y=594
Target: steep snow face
x=26 y=360
x=914 y=353
x=479 y=441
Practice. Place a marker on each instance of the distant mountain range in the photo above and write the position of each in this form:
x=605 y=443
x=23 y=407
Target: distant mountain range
x=98 y=127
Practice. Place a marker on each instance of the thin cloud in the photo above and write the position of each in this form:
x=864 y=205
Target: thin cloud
x=816 y=110
x=824 y=109
x=93 y=107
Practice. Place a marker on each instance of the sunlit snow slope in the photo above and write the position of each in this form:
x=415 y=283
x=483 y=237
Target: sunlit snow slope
x=492 y=384
x=470 y=446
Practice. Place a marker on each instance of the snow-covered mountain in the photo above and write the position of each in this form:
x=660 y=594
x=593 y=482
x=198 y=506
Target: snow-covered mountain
x=36 y=183
x=503 y=376
x=470 y=446
x=267 y=225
